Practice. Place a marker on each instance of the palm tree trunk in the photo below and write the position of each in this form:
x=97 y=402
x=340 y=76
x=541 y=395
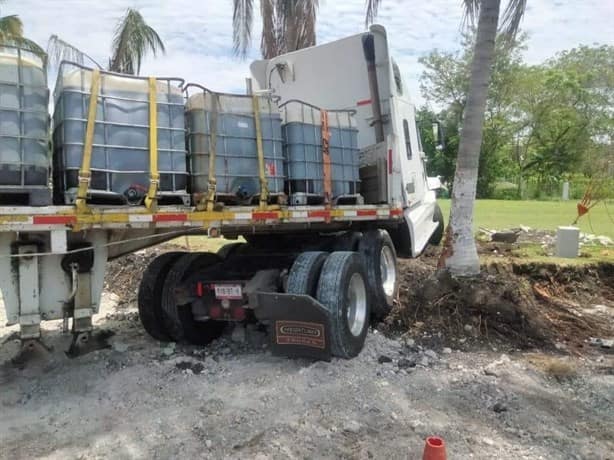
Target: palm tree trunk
x=462 y=259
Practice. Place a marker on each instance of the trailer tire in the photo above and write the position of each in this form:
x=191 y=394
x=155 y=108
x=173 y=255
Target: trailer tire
x=380 y=259
x=342 y=290
x=179 y=321
x=305 y=273
x=437 y=235
x=150 y=291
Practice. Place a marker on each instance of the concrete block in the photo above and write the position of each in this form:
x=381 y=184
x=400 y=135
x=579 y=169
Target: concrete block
x=567 y=242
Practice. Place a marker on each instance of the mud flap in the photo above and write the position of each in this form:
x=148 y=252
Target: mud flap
x=300 y=325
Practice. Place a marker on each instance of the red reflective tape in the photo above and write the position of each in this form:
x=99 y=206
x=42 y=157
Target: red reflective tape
x=366 y=212
x=199 y=289
x=170 y=217
x=396 y=212
x=323 y=214
x=389 y=161
x=264 y=215
x=54 y=220
x=364 y=102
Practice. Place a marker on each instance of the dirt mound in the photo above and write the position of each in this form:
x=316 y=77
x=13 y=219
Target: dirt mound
x=522 y=305
x=124 y=274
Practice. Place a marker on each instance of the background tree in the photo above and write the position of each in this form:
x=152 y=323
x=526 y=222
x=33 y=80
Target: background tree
x=132 y=40
x=445 y=82
x=287 y=25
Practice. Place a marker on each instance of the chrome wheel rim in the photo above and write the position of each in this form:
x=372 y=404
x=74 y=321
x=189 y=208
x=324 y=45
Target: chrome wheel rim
x=388 y=269
x=357 y=305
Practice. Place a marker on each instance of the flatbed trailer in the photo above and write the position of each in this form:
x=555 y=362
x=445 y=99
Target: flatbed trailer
x=315 y=275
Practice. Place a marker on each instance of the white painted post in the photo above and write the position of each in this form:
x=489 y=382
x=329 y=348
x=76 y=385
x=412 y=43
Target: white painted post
x=567 y=242
x=566 y=191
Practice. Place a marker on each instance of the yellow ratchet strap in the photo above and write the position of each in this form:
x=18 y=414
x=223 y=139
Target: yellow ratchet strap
x=212 y=181
x=154 y=176
x=264 y=184
x=86 y=162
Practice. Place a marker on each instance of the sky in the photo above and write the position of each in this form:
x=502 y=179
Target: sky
x=198 y=34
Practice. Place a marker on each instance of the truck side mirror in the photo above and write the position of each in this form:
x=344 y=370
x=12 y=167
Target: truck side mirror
x=438 y=135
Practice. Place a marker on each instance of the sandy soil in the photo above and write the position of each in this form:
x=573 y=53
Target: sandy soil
x=143 y=399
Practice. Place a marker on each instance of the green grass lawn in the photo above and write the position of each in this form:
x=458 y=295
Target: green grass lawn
x=544 y=215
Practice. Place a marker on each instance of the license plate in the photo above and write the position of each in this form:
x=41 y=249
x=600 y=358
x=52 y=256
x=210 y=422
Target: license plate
x=228 y=291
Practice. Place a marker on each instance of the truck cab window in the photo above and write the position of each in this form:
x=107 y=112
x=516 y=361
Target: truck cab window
x=418 y=136
x=407 y=139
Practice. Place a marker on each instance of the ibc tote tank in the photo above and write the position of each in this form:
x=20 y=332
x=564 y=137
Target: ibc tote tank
x=302 y=134
x=24 y=128
x=120 y=156
x=236 y=159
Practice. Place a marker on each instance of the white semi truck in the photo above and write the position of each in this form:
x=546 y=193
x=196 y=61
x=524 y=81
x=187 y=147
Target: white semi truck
x=315 y=275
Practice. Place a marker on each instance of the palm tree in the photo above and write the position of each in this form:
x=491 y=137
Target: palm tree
x=460 y=253
x=11 y=33
x=287 y=25
x=132 y=40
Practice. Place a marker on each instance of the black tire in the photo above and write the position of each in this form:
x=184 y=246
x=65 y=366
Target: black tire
x=373 y=245
x=305 y=273
x=228 y=249
x=334 y=293
x=437 y=235
x=150 y=292
x=178 y=319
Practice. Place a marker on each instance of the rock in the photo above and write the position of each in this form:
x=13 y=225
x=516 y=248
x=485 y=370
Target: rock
x=410 y=342
x=468 y=327
x=384 y=359
x=499 y=407
x=425 y=361
x=524 y=228
x=603 y=343
x=488 y=441
x=238 y=334
x=120 y=347
x=431 y=354
x=406 y=363
x=446 y=351
x=169 y=349
x=208 y=443
x=351 y=427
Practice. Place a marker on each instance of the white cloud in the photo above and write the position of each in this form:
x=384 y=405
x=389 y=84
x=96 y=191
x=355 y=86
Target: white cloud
x=198 y=35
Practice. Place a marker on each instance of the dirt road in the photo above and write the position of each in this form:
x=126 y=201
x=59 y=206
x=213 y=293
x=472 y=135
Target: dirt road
x=143 y=399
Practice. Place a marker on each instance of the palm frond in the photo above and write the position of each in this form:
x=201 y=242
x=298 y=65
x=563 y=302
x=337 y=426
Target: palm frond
x=471 y=12
x=242 y=20
x=10 y=26
x=59 y=50
x=512 y=16
x=371 y=11
x=132 y=40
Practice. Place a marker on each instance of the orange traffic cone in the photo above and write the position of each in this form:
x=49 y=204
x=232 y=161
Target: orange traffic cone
x=434 y=449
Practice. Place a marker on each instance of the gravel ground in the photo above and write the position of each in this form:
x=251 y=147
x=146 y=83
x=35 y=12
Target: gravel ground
x=143 y=399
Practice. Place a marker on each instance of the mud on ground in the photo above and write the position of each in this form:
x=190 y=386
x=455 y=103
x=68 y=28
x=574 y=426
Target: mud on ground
x=474 y=368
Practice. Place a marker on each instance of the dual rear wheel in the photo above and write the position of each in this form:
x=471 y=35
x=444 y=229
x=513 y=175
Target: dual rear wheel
x=352 y=286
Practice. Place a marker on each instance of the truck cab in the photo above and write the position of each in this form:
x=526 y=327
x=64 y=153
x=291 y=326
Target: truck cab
x=357 y=73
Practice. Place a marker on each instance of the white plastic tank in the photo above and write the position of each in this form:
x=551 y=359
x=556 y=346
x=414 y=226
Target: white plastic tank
x=120 y=168
x=24 y=134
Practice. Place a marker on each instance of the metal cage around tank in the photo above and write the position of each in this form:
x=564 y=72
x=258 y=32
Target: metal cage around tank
x=121 y=158
x=223 y=138
x=305 y=166
x=24 y=128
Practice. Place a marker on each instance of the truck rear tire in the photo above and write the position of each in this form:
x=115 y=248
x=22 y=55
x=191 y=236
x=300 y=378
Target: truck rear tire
x=342 y=289
x=437 y=235
x=380 y=259
x=150 y=291
x=305 y=273
x=178 y=319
